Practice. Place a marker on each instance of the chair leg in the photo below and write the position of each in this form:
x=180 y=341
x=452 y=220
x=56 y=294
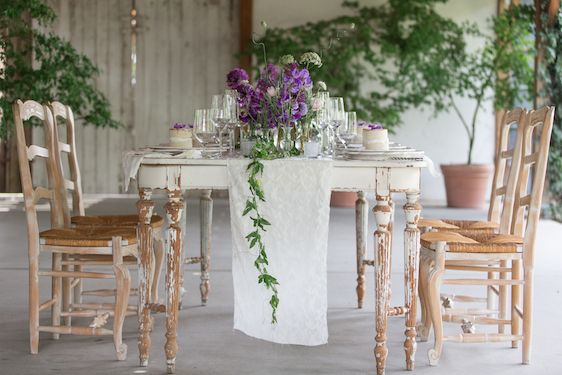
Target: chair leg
x=527 y=315
x=66 y=295
x=502 y=298
x=159 y=255
x=515 y=298
x=434 y=299
x=56 y=291
x=424 y=325
x=77 y=291
x=33 y=302
x=123 y=287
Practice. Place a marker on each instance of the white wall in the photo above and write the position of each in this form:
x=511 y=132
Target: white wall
x=442 y=138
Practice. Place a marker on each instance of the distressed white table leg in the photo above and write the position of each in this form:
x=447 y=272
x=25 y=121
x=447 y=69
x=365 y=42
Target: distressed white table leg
x=411 y=265
x=145 y=207
x=206 y=213
x=361 y=229
x=383 y=215
x=174 y=209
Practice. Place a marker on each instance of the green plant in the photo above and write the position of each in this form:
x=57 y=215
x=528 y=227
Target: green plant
x=500 y=71
x=551 y=73
x=414 y=58
x=404 y=50
x=262 y=150
x=41 y=66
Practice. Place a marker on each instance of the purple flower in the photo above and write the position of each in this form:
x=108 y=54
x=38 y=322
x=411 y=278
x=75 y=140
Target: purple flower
x=374 y=126
x=235 y=78
x=180 y=125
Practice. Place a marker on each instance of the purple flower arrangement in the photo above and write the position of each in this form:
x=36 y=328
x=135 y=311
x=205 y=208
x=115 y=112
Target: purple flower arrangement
x=180 y=125
x=370 y=126
x=281 y=96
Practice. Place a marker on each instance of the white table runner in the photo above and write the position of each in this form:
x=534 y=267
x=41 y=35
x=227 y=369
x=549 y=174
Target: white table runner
x=297 y=193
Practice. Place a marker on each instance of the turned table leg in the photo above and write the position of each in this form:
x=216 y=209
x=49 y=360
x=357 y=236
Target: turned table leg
x=174 y=209
x=206 y=207
x=145 y=207
x=361 y=228
x=411 y=263
x=383 y=215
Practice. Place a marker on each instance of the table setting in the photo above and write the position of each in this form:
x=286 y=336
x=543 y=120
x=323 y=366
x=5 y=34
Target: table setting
x=280 y=147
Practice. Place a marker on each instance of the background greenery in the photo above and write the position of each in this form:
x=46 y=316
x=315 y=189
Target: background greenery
x=412 y=57
x=57 y=70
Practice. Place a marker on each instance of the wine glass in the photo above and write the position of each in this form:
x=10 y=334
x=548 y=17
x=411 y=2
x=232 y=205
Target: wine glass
x=336 y=112
x=349 y=131
x=234 y=123
x=323 y=120
x=222 y=111
x=203 y=128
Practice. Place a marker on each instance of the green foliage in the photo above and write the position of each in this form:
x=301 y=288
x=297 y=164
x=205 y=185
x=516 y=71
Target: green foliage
x=404 y=49
x=262 y=150
x=58 y=71
x=411 y=57
x=552 y=77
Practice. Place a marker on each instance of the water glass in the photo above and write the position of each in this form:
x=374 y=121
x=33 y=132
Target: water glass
x=203 y=128
x=223 y=110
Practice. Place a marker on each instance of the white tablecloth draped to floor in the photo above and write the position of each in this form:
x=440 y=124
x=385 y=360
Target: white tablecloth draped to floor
x=297 y=193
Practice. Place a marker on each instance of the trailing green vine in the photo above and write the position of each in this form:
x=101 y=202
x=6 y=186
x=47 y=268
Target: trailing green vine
x=262 y=150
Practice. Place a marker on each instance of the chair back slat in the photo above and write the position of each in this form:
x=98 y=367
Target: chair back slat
x=68 y=146
x=501 y=198
x=527 y=206
x=25 y=111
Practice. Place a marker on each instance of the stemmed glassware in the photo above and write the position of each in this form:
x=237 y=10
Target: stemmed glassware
x=203 y=128
x=223 y=110
x=234 y=121
x=336 y=112
x=349 y=131
x=323 y=120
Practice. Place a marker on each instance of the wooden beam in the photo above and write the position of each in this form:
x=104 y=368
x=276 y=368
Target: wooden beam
x=246 y=19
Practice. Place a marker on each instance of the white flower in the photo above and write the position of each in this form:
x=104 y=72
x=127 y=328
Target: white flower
x=287 y=59
x=316 y=104
x=271 y=91
x=322 y=85
x=311 y=58
x=263 y=24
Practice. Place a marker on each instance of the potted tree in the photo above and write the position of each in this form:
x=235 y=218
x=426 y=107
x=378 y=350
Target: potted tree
x=503 y=67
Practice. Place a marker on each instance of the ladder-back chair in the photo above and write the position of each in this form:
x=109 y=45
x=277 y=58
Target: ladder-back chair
x=59 y=241
x=518 y=248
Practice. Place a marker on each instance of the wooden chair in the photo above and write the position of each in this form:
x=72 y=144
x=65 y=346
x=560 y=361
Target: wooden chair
x=441 y=248
x=115 y=243
x=80 y=219
x=500 y=197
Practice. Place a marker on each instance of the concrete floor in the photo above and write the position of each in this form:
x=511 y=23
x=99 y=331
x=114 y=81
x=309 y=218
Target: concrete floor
x=208 y=344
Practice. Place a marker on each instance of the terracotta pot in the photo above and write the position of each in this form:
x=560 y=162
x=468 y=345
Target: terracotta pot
x=343 y=199
x=466 y=184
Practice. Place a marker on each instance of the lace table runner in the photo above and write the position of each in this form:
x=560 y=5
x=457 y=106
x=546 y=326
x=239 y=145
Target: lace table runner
x=298 y=208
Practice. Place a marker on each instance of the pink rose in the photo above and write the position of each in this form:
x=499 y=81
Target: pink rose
x=271 y=91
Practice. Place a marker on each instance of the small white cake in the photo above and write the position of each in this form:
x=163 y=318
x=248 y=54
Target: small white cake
x=375 y=139
x=181 y=137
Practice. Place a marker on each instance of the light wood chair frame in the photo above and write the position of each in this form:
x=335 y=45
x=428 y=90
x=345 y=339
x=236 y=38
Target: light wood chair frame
x=500 y=197
x=525 y=213
x=74 y=185
x=117 y=248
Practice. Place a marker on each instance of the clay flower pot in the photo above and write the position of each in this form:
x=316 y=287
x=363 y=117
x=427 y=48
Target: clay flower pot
x=466 y=184
x=343 y=199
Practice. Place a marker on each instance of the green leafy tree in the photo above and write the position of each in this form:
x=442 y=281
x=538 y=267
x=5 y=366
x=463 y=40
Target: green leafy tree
x=41 y=66
x=412 y=57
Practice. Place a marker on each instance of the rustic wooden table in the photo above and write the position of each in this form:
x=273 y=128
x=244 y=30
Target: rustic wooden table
x=395 y=175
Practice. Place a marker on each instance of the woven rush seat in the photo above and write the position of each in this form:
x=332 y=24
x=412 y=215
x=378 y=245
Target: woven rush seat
x=473 y=243
x=83 y=237
x=115 y=221
x=463 y=226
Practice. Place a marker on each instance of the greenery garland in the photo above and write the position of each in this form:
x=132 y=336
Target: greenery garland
x=262 y=150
